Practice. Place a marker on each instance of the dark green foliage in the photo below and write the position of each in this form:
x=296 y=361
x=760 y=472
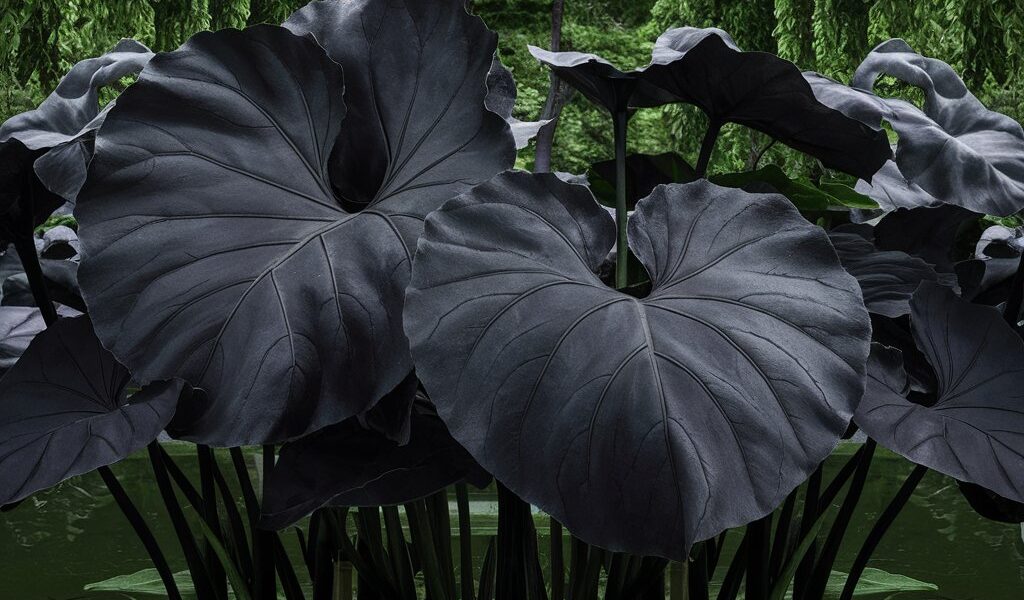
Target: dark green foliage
x=981 y=40
x=271 y=11
x=228 y=13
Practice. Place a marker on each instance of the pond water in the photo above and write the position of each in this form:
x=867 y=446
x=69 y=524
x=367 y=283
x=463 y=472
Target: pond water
x=62 y=539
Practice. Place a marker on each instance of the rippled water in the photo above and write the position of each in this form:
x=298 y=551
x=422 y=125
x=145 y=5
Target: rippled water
x=62 y=539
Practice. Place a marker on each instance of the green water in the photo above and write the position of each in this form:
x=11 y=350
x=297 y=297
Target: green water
x=62 y=539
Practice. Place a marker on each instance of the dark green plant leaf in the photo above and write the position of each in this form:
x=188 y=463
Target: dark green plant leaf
x=974 y=429
x=801 y=192
x=348 y=465
x=694 y=409
x=146 y=581
x=876 y=581
x=64 y=410
x=284 y=305
x=887 y=278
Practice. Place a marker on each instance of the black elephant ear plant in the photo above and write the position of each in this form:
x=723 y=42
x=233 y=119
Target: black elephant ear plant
x=309 y=238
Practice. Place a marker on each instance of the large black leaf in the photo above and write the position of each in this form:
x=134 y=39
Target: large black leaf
x=64 y=411
x=594 y=77
x=348 y=465
x=956 y=149
x=59 y=126
x=974 y=429
x=706 y=68
x=216 y=248
x=928 y=233
x=887 y=278
x=501 y=100
x=953 y=151
x=694 y=409
x=417 y=132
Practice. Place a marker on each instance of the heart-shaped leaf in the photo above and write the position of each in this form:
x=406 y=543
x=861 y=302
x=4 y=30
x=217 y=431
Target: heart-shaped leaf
x=218 y=249
x=64 y=410
x=417 y=132
x=695 y=409
x=974 y=429
x=887 y=278
x=349 y=465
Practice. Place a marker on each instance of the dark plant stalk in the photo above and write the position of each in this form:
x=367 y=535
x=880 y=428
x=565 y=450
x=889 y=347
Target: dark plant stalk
x=262 y=546
x=758 y=543
x=196 y=567
x=555 y=100
x=734 y=576
x=286 y=571
x=697 y=582
x=621 y=212
x=707 y=146
x=441 y=526
x=422 y=540
x=676 y=580
x=142 y=531
x=812 y=504
x=823 y=566
x=1011 y=312
x=241 y=542
x=208 y=489
x=465 y=542
x=399 y=553
x=780 y=544
x=265 y=587
x=716 y=554
x=881 y=527
x=26 y=248
x=557 y=557
x=761 y=154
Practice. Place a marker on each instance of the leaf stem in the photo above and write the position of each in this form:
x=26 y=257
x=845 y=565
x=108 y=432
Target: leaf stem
x=707 y=146
x=823 y=567
x=24 y=243
x=142 y=530
x=1011 y=313
x=465 y=541
x=621 y=125
x=758 y=553
x=204 y=588
x=881 y=527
